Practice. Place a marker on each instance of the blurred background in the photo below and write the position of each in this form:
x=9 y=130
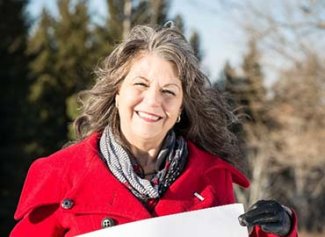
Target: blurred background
x=268 y=58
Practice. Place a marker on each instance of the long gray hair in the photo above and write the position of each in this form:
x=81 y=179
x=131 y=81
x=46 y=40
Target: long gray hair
x=205 y=118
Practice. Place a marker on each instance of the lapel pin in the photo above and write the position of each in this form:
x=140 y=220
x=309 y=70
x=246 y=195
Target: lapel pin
x=199 y=196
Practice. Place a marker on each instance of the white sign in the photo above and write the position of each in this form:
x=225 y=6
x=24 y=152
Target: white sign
x=211 y=222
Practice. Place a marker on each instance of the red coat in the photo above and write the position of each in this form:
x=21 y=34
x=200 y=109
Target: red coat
x=72 y=192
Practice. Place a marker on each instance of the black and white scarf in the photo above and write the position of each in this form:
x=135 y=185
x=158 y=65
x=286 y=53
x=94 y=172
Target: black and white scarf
x=170 y=163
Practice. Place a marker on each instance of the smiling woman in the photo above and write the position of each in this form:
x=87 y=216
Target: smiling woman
x=149 y=102
x=153 y=141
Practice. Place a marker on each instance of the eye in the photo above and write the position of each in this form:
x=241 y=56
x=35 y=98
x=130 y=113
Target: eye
x=140 y=84
x=169 y=92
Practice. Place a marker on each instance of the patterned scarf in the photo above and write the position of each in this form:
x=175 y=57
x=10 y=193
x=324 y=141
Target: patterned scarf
x=170 y=163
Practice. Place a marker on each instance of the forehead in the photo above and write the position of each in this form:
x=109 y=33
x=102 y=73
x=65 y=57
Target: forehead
x=153 y=65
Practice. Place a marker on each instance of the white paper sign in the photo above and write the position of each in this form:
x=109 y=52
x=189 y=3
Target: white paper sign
x=211 y=222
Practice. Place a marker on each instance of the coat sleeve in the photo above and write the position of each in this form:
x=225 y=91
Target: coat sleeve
x=39 y=203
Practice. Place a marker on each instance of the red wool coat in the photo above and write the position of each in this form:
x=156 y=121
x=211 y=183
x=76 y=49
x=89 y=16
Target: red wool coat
x=73 y=192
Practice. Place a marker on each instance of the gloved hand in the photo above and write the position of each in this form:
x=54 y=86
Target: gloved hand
x=270 y=215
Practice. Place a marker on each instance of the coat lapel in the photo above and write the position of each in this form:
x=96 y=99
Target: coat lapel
x=98 y=191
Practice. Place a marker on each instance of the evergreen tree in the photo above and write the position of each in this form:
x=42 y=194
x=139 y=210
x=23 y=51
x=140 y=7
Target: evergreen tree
x=42 y=48
x=142 y=12
x=195 y=42
x=179 y=22
x=115 y=20
x=159 y=11
x=13 y=121
x=247 y=97
x=74 y=45
x=255 y=93
x=247 y=91
x=61 y=67
x=73 y=61
x=153 y=12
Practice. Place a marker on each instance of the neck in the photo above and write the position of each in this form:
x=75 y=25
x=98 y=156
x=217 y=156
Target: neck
x=145 y=154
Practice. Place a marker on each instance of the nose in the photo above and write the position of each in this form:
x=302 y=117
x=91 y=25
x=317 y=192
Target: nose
x=153 y=97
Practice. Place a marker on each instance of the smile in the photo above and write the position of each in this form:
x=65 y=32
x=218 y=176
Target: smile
x=148 y=117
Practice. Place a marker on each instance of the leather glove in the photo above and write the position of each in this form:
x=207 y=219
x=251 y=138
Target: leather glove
x=270 y=215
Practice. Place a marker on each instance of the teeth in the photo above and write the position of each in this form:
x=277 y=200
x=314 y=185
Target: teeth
x=148 y=116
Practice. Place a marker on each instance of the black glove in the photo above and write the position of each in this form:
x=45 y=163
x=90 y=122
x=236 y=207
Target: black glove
x=270 y=215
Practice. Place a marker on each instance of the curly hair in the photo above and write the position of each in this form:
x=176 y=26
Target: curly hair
x=205 y=117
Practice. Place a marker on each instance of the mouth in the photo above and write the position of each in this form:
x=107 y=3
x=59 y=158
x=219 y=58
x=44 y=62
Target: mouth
x=148 y=117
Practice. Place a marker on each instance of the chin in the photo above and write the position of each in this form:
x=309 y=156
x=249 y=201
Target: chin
x=149 y=134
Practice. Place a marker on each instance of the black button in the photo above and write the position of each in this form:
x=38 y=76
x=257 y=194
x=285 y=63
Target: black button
x=67 y=203
x=107 y=222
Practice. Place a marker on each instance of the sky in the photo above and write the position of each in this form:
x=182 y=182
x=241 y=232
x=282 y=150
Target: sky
x=221 y=38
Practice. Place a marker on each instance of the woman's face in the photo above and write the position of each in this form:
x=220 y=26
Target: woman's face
x=149 y=99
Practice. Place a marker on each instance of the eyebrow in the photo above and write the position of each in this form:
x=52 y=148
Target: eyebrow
x=173 y=84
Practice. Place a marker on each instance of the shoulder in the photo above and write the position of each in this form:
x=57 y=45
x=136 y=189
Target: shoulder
x=73 y=153
x=209 y=163
x=48 y=178
x=68 y=159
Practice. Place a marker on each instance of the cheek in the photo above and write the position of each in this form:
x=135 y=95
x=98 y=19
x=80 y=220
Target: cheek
x=129 y=96
x=173 y=109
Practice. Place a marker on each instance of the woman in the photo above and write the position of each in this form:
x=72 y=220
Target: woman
x=153 y=141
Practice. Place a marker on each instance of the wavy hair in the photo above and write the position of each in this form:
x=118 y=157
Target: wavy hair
x=205 y=117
